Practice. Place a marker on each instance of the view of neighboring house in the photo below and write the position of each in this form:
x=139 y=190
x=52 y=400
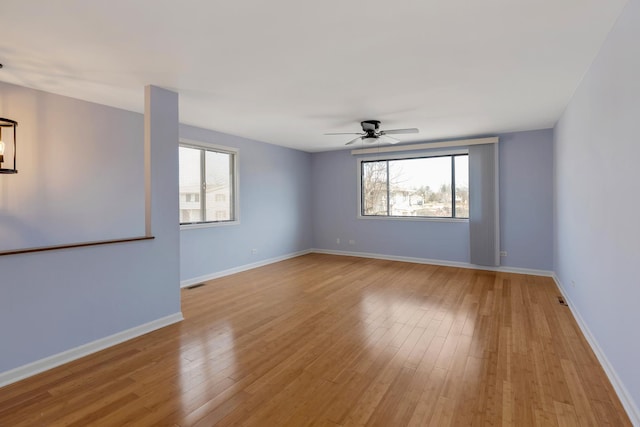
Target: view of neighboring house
x=215 y=203
x=206 y=185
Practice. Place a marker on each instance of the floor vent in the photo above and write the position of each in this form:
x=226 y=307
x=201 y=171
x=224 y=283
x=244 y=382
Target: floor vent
x=562 y=301
x=194 y=286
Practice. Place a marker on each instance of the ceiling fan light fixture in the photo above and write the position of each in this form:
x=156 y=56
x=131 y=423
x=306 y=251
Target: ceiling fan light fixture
x=369 y=139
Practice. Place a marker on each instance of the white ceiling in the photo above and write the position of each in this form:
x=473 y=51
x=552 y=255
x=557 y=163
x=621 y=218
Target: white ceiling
x=287 y=71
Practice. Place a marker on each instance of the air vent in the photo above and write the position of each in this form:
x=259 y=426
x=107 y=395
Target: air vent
x=562 y=301
x=195 y=286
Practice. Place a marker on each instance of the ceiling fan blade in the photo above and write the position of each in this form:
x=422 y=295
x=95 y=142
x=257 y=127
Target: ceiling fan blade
x=342 y=133
x=353 y=140
x=389 y=139
x=399 y=131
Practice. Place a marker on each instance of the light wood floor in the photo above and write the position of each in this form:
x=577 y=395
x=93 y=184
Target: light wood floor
x=329 y=341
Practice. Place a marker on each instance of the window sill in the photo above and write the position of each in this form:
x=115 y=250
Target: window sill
x=208 y=225
x=411 y=218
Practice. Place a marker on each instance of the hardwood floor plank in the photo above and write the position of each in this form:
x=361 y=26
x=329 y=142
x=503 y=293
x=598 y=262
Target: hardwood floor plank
x=331 y=341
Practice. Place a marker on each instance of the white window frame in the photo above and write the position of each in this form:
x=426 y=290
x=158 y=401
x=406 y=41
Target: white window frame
x=405 y=156
x=236 y=182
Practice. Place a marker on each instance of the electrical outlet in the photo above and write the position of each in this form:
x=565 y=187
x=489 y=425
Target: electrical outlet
x=338 y=240
x=352 y=242
x=573 y=284
x=503 y=253
x=254 y=251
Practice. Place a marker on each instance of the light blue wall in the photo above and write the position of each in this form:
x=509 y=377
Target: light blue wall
x=275 y=209
x=526 y=199
x=597 y=191
x=526 y=170
x=52 y=302
x=75 y=181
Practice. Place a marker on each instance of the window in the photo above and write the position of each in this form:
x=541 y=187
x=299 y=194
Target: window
x=426 y=187
x=207 y=184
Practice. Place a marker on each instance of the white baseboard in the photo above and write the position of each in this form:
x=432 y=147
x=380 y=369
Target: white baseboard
x=529 y=271
x=188 y=282
x=239 y=269
x=51 y=362
x=618 y=385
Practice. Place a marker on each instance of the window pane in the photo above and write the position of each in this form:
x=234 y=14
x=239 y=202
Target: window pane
x=219 y=180
x=421 y=187
x=374 y=188
x=189 y=163
x=462 y=186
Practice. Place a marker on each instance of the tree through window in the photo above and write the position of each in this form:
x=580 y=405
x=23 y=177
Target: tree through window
x=429 y=187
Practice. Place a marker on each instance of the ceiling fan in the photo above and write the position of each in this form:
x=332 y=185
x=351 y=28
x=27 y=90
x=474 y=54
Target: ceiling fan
x=371 y=133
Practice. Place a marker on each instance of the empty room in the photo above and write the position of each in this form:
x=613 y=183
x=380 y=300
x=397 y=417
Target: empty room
x=331 y=214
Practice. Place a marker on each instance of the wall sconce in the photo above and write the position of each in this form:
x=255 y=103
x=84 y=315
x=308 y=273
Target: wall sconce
x=6 y=125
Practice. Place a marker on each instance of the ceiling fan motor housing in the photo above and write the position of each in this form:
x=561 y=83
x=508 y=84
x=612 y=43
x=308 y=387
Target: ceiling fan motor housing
x=370 y=127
